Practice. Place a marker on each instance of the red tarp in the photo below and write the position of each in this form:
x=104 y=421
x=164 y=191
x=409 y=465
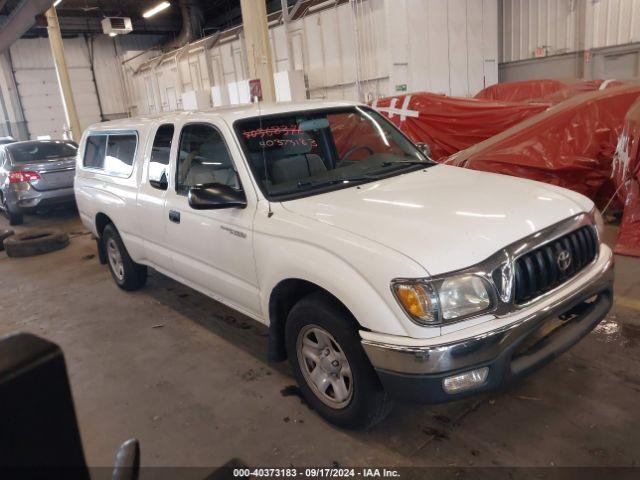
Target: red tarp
x=524 y=91
x=571 y=145
x=451 y=124
x=626 y=176
x=550 y=91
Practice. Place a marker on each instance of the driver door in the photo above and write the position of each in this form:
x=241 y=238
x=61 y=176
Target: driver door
x=212 y=249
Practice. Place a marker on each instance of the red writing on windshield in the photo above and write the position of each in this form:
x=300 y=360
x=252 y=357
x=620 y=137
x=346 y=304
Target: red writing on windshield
x=283 y=142
x=271 y=131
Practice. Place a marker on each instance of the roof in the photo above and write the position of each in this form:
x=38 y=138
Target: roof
x=228 y=113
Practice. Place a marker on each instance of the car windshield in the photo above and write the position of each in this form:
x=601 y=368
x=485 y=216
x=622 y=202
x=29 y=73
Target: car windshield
x=39 y=151
x=302 y=153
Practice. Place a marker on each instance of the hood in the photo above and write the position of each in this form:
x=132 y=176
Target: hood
x=445 y=218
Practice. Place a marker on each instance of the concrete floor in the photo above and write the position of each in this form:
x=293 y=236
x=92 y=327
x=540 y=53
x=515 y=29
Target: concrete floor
x=188 y=377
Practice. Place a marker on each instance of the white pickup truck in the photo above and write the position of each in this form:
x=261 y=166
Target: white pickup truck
x=379 y=273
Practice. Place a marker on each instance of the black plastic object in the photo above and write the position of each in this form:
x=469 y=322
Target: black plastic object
x=216 y=196
x=38 y=426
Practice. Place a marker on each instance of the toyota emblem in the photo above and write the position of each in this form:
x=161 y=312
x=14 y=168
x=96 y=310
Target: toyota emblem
x=564 y=260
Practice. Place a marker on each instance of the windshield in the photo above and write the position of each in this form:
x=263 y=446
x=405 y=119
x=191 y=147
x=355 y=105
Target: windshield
x=31 y=152
x=301 y=153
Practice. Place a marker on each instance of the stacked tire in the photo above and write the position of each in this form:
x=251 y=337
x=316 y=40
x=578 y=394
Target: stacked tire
x=4 y=234
x=33 y=242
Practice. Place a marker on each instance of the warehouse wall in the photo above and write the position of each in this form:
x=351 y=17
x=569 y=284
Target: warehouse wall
x=28 y=66
x=563 y=26
x=619 y=62
x=364 y=49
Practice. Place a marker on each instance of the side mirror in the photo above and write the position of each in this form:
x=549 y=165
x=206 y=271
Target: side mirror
x=161 y=183
x=215 y=196
x=424 y=148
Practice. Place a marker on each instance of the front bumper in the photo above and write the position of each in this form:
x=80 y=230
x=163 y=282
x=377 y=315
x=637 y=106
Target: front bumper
x=416 y=373
x=23 y=198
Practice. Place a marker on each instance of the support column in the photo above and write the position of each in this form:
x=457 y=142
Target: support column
x=64 y=82
x=10 y=103
x=256 y=35
x=286 y=19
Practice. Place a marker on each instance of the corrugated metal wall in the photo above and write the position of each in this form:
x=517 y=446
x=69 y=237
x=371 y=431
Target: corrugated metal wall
x=562 y=26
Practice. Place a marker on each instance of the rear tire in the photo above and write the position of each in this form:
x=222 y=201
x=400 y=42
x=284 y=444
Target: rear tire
x=127 y=274
x=341 y=385
x=15 y=218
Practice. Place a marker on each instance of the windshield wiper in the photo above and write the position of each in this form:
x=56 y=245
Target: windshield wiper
x=324 y=183
x=388 y=163
x=333 y=181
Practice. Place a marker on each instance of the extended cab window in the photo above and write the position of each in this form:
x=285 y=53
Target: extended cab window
x=94 y=150
x=159 y=160
x=113 y=153
x=203 y=159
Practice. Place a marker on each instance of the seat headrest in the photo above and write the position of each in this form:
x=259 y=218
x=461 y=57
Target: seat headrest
x=296 y=144
x=213 y=149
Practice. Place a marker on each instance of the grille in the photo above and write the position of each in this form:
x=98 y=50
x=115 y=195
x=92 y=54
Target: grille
x=545 y=268
x=117 y=23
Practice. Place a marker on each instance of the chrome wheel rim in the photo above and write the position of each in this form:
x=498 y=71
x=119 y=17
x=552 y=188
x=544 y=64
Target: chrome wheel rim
x=324 y=366
x=115 y=259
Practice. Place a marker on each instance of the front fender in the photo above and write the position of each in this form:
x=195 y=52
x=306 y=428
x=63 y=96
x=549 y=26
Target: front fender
x=355 y=271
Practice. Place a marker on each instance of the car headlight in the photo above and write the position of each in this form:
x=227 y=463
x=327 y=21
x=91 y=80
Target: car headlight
x=597 y=215
x=445 y=300
x=462 y=296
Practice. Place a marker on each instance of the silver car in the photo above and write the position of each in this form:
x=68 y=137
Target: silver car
x=36 y=175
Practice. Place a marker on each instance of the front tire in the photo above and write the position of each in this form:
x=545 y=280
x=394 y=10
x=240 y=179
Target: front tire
x=127 y=274
x=327 y=359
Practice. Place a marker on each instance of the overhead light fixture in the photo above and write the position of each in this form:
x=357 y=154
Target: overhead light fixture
x=56 y=3
x=112 y=34
x=158 y=8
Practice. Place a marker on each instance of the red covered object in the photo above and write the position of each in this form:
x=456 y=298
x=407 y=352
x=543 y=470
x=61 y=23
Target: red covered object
x=626 y=176
x=571 y=144
x=451 y=124
x=524 y=91
x=543 y=91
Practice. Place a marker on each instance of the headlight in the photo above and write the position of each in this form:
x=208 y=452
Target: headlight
x=432 y=303
x=462 y=296
x=599 y=223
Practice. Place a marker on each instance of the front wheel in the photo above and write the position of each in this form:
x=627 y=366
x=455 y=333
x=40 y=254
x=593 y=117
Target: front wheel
x=127 y=274
x=334 y=374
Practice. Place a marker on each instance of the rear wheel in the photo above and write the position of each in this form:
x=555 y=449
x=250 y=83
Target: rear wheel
x=127 y=274
x=15 y=218
x=334 y=374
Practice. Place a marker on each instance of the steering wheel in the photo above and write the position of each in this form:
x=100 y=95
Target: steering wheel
x=351 y=151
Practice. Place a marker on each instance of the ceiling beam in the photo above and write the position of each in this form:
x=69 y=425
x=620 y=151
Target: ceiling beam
x=73 y=25
x=21 y=19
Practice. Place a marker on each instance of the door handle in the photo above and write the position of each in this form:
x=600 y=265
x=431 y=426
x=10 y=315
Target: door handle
x=174 y=216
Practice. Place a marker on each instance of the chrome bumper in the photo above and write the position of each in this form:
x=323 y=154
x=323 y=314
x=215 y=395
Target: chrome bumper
x=499 y=349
